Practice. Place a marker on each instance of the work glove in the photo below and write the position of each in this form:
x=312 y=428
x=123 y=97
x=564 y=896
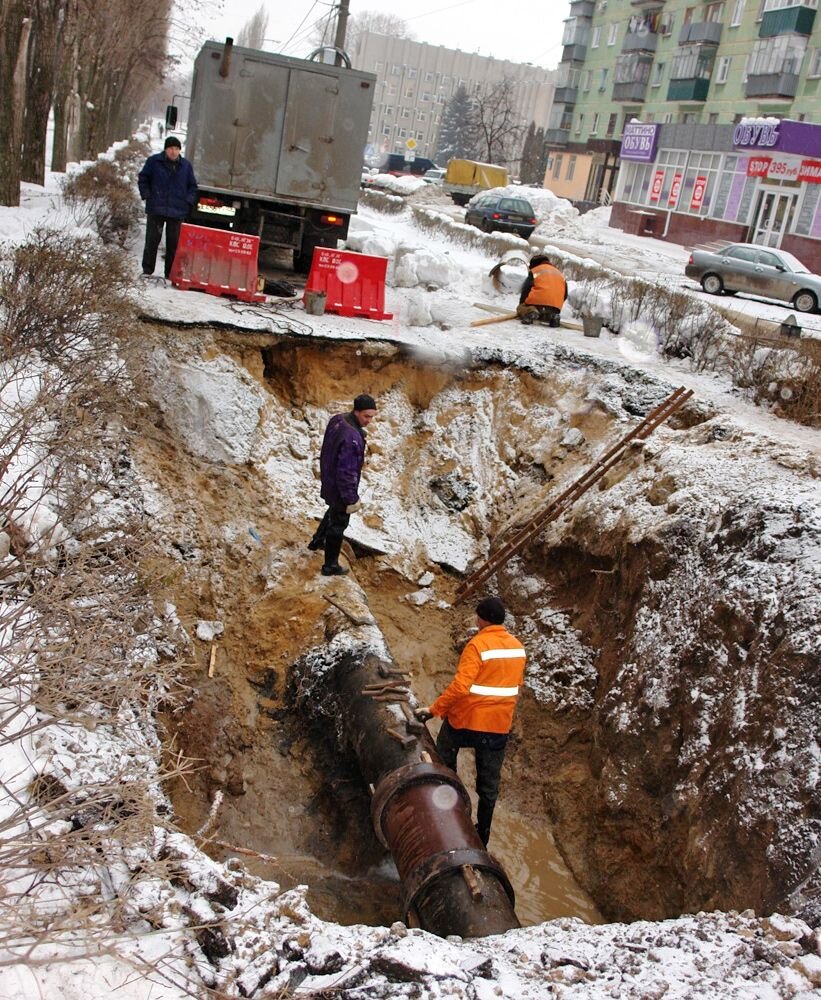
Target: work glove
x=352 y=508
x=423 y=714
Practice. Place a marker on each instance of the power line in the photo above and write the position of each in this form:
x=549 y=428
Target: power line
x=299 y=26
x=439 y=10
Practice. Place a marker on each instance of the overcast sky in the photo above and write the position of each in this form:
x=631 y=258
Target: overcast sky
x=519 y=30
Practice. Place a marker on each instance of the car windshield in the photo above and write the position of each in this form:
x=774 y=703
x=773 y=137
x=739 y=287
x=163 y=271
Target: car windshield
x=516 y=205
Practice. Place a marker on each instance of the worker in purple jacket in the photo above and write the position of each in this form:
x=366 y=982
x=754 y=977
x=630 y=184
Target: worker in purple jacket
x=340 y=467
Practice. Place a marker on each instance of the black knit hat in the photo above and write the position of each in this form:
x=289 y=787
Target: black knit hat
x=172 y=140
x=491 y=609
x=364 y=402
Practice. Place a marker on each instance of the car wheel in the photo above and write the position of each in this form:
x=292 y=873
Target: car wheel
x=486 y=226
x=712 y=284
x=805 y=301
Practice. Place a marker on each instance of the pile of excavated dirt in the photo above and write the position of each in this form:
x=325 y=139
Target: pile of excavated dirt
x=669 y=730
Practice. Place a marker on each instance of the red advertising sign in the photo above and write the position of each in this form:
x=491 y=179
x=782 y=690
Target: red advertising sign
x=658 y=181
x=674 y=190
x=698 y=194
x=810 y=171
x=758 y=166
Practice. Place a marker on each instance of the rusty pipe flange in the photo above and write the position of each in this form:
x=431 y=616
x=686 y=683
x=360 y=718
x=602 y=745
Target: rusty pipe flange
x=445 y=861
x=403 y=777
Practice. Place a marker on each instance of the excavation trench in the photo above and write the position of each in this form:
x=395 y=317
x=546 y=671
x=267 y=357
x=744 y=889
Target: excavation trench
x=458 y=453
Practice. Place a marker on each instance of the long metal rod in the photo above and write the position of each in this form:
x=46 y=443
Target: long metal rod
x=568 y=497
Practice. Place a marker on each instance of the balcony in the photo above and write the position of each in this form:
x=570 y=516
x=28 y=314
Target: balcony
x=640 y=41
x=634 y=91
x=700 y=31
x=647 y=3
x=793 y=20
x=581 y=8
x=771 y=85
x=556 y=136
x=693 y=89
x=574 y=53
x=566 y=95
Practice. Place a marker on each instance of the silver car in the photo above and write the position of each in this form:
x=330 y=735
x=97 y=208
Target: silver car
x=745 y=267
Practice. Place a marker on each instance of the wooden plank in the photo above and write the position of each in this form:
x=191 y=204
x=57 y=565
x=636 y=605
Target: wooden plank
x=495 y=319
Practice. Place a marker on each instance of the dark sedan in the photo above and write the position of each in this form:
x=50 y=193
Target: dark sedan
x=491 y=212
x=764 y=271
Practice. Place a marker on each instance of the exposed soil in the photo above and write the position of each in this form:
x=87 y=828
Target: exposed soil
x=236 y=535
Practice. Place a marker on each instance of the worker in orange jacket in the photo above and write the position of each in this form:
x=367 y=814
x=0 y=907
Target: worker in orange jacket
x=544 y=291
x=478 y=704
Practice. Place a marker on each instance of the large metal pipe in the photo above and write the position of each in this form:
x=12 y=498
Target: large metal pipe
x=420 y=809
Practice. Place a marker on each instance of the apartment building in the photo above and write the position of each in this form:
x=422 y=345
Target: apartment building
x=698 y=120
x=416 y=80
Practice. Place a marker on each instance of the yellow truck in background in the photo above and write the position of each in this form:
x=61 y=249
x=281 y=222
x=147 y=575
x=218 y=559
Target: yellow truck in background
x=465 y=178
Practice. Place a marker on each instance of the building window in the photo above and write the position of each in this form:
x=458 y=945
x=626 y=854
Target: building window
x=613 y=34
x=404 y=113
x=392 y=90
x=694 y=62
x=427 y=97
x=714 y=12
x=557 y=165
x=579 y=125
x=571 y=168
x=386 y=130
x=388 y=111
x=658 y=74
x=738 y=13
x=395 y=70
x=603 y=78
x=815 y=63
x=403 y=133
x=410 y=91
x=587 y=78
x=713 y=119
x=594 y=43
x=723 y=70
x=428 y=77
x=689 y=118
x=421 y=116
x=611 y=124
x=594 y=130
x=412 y=73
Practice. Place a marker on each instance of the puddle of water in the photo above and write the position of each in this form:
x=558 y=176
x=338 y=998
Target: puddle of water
x=544 y=887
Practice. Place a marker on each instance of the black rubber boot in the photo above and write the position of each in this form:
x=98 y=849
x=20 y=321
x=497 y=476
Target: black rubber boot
x=334 y=570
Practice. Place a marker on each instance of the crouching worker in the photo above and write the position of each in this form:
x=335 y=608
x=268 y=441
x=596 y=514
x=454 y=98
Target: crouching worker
x=340 y=466
x=543 y=293
x=478 y=705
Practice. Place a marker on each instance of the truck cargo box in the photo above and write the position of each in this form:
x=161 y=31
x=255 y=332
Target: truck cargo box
x=465 y=178
x=274 y=127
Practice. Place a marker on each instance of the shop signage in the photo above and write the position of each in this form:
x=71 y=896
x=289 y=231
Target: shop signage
x=698 y=193
x=757 y=166
x=674 y=190
x=639 y=142
x=756 y=133
x=783 y=168
x=810 y=171
x=658 y=181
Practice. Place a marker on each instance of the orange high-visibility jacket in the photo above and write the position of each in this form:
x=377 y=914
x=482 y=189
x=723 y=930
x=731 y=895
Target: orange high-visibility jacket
x=549 y=287
x=482 y=695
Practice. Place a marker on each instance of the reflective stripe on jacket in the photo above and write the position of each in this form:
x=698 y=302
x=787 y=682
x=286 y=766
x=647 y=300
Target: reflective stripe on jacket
x=482 y=695
x=549 y=287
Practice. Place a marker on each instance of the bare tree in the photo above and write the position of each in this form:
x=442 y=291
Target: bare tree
x=378 y=22
x=15 y=35
x=252 y=33
x=44 y=56
x=499 y=130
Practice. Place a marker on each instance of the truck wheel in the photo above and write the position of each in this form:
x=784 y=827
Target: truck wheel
x=302 y=261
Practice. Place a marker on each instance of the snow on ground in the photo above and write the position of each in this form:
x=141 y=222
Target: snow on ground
x=433 y=286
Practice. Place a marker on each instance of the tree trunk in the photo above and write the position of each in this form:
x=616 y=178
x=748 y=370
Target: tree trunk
x=14 y=42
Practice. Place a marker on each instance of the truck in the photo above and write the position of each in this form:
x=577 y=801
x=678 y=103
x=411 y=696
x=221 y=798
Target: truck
x=465 y=178
x=277 y=145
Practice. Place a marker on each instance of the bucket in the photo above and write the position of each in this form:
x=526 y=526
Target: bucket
x=592 y=325
x=315 y=302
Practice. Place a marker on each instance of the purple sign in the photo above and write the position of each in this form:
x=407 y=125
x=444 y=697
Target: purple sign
x=785 y=136
x=639 y=142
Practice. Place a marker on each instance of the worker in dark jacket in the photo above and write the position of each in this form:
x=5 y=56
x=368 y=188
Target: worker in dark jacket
x=169 y=189
x=544 y=291
x=478 y=704
x=340 y=467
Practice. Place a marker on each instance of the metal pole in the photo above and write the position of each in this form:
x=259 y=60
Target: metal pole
x=341 y=29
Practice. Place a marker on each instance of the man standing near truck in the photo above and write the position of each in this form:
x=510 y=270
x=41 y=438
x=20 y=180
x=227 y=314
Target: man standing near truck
x=169 y=189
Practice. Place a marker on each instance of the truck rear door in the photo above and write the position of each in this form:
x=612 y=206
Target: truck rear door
x=261 y=96
x=322 y=146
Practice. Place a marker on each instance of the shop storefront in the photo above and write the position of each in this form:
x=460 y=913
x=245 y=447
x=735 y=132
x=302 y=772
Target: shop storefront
x=758 y=181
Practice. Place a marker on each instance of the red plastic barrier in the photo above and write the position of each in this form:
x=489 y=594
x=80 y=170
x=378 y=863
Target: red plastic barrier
x=354 y=283
x=217 y=261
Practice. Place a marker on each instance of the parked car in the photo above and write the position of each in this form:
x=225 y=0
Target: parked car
x=491 y=212
x=764 y=271
x=395 y=163
x=434 y=176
